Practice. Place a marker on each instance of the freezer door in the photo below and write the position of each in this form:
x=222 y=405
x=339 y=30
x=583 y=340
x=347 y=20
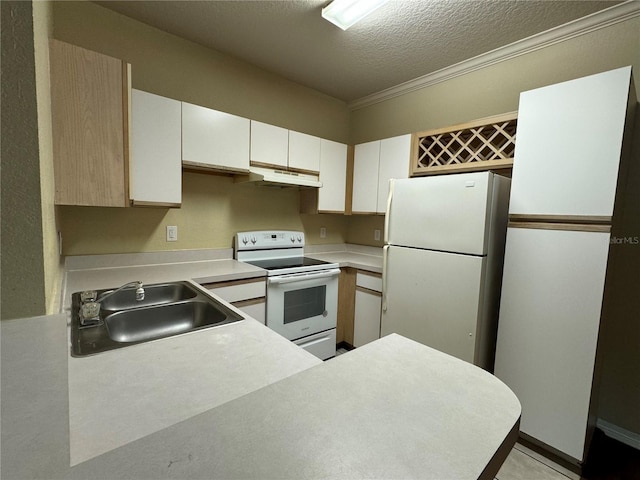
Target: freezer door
x=445 y=212
x=552 y=292
x=433 y=298
x=569 y=145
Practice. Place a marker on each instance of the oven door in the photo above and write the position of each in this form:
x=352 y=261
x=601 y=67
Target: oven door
x=302 y=304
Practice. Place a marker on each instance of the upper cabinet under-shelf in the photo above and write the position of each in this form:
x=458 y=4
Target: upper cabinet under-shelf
x=484 y=144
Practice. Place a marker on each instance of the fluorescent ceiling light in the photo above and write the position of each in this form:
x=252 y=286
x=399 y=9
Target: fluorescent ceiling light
x=345 y=13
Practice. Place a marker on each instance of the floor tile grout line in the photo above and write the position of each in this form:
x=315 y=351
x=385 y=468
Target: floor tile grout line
x=542 y=463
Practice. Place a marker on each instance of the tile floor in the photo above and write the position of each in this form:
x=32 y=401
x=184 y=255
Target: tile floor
x=525 y=464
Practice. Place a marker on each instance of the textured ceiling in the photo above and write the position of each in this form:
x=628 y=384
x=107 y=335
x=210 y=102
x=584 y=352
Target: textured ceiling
x=401 y=41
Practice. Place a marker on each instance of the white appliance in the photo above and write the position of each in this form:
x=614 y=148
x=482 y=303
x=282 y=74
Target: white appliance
x=302 y=293
x=442 y=263
x=566 y=176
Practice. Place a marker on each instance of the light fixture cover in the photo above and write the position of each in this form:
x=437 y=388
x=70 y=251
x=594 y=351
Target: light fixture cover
x=344 y=13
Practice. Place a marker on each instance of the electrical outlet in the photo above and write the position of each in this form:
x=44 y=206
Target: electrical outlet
x=376 y=235
x=172 y=233
x=323 y=232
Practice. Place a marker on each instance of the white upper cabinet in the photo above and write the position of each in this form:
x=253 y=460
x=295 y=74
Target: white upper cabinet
x=395 y=154
x=375 y=163
x=569 y=146
x=269 y=144
x=366 y=162
x=304 y=152
x=333 y=175
x=215 y=140
x=155 y=163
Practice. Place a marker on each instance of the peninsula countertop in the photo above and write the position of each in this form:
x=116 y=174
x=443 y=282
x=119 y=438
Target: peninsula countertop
x=391 y=409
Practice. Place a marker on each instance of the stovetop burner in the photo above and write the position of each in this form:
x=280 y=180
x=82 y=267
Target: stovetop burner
x=281 y=263
x=280 y=252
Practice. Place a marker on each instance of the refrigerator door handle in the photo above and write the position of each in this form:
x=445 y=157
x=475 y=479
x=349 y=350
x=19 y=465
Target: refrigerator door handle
x=385 y=255
x=386 y=217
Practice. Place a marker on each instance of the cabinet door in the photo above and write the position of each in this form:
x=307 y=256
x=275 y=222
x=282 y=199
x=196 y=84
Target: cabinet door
x=304 y=152
x=395 y=154
x=366 y=324
x=256 y=310
x=213 y=139
x=333 y=175
x=87 y=98
x=156 y=142
x=269 y=144
x=552 y=292
x=569 y=145
x=365 y=177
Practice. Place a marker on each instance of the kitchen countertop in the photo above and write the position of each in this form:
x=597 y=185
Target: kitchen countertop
x=209 y=266
x=391 y=409
x=354 y=256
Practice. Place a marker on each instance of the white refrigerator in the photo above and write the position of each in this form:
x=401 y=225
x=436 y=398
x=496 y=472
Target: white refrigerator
x=444 y=244
x=567 y=174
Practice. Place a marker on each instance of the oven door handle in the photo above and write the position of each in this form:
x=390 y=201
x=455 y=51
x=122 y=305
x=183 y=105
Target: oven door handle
x=297 y=277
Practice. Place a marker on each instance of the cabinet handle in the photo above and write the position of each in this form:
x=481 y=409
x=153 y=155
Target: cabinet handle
x=385 y=256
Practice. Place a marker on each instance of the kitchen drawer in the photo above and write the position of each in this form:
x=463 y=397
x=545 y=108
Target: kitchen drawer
x=372 y=281
x=239 y=290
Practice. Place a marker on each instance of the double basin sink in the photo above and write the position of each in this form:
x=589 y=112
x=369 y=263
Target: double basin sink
x=167 y=309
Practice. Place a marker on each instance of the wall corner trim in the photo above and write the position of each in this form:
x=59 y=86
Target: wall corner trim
x=618 y=433
x=602 y=19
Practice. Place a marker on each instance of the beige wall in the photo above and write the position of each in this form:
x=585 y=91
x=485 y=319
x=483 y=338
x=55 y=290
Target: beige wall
x=213 y=209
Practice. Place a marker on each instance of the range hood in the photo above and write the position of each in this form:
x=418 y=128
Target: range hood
x=279 y=178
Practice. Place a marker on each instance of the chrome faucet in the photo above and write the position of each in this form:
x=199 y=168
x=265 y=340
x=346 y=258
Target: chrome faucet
x=90 y=308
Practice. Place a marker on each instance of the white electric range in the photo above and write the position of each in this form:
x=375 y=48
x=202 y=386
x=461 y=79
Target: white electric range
x=302 y=293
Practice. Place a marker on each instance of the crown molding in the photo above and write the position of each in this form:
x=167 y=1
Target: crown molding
x=602 y=19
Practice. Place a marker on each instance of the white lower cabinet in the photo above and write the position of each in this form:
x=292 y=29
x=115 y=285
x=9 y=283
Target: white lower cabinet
x=368 y=307
x=248 y=296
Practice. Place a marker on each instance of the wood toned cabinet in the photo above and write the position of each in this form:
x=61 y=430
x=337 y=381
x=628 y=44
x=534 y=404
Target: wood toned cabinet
x=375 y=163
x=213 y=140
x=90 y=104
x=248 y=296
x=156 y=147
x=359 y=307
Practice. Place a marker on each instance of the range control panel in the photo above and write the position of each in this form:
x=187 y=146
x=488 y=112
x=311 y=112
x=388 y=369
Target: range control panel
x=268 y=240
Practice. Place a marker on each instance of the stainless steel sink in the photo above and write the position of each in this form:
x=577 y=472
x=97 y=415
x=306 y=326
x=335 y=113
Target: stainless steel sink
x=157 y=294
x=167 y=309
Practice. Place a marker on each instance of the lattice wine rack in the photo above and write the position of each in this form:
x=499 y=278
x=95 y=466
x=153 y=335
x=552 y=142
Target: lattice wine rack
x=484 y=144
